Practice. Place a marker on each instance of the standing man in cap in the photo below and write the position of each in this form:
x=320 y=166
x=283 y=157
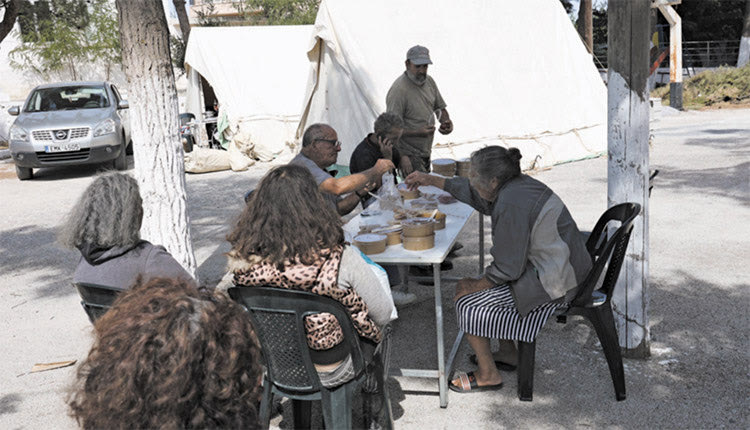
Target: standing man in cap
x=415 y=97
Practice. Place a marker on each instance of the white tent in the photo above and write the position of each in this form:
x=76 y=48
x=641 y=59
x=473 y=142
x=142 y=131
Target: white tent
x=258 y=75
x=513 y=73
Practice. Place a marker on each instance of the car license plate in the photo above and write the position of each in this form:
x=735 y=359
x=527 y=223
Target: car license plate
x=62 y=148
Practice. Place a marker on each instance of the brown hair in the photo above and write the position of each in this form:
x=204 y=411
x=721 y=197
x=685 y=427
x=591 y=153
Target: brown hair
x=286 y=218
x=169 y=356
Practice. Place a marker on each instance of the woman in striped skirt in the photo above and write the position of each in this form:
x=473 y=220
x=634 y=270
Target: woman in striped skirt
x=539 y=259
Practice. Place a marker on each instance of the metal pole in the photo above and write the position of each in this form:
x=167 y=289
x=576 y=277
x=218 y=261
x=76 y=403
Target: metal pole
x=675 y=51
x=743 y=56
x=480 y=217
x=442 y=381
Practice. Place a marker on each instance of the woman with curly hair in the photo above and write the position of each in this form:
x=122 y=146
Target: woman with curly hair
x=169 y=356
x=104 y=226
x=289 y=237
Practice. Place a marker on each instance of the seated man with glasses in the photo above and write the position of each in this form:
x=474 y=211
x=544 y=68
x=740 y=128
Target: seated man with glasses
x=320 y=149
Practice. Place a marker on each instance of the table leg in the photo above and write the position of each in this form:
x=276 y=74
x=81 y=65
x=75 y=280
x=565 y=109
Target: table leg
x=453 y=353
x=442 y=381
x=481 y=243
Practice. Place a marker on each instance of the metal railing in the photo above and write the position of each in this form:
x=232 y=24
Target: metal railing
x=708 y=53
x=711 y=53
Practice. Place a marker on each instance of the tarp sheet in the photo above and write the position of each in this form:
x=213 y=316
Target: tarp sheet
x=513 y=73
x=258 y=74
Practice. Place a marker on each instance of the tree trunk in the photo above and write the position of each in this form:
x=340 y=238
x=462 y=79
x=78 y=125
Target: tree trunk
x=744 y=55
x=182 y=17
x=72 y=69
x=9 y=18
x=159 y=163
x=585 y=24
x=627 y=167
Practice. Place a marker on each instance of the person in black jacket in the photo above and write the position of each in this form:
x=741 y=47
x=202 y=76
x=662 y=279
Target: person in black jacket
x=381 y=143
x=388 y=129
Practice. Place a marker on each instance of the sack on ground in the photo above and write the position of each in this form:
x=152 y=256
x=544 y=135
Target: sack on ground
x=203 y=160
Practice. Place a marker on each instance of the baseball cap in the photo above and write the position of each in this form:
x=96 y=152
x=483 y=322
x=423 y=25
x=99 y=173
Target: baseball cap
x=418 y=55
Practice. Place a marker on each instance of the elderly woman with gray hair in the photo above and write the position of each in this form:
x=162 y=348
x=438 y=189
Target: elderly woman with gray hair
x=539 y=259
x=104 y=225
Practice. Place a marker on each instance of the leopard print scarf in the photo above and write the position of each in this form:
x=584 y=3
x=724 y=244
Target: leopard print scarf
x=320 y=277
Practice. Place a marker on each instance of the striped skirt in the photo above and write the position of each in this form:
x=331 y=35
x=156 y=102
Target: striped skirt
x=492 y=313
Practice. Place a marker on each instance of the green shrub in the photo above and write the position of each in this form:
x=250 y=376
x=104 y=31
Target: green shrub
x=725 y=84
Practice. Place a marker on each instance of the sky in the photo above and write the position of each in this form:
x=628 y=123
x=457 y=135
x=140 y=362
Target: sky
x=170 y=11
x=595 y=4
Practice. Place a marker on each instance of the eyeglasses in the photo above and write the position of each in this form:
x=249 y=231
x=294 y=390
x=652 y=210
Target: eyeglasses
x=334 y=142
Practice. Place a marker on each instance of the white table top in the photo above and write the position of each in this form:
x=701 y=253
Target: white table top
x=457 y=215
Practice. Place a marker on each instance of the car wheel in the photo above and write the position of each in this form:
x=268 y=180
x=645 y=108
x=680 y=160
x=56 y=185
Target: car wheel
x=121 y=162
x=24 y=173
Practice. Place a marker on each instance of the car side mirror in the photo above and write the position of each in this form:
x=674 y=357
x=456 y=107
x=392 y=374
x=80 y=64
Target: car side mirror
x=14 y=110
x=123 y=104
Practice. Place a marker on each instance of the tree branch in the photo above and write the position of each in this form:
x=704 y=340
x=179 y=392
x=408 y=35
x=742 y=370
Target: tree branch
x=9 y=18
x=182 y=17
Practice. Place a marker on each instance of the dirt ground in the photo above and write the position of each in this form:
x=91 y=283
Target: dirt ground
x=698 y=375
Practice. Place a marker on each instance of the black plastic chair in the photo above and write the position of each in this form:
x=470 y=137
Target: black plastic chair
x=278 y=318
x=593 y=298
x=184 y=119
x=248 y=195
x=96 y=299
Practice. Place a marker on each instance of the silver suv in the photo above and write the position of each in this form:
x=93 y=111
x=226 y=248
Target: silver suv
x=70 y=123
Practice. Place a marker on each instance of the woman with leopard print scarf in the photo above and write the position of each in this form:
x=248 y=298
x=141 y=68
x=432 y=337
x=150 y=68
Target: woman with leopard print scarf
x=288 y=236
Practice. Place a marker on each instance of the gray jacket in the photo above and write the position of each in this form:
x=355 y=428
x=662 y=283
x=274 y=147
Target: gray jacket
x=536 y=246
x=120 y=266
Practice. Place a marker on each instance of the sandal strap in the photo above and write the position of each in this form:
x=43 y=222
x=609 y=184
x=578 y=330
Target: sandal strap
x=465 y=383
x=466 y=380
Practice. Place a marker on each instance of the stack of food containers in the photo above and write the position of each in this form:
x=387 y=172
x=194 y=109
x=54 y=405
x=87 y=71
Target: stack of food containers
x=462 y=167
x=444 y=166
x=418 y=234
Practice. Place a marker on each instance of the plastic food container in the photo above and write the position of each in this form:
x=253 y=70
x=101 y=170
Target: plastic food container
x=370 y=243
x=462 y=167
x=424 y=204
x=419 y=243
x=366 y=227
x=406 y=193
x=393 y=238
x=418 y=227
x=439 y=219
x=444 y=166
x=393 y=235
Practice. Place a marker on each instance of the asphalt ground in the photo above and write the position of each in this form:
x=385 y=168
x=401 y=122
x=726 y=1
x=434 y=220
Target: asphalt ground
x=697 y=376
